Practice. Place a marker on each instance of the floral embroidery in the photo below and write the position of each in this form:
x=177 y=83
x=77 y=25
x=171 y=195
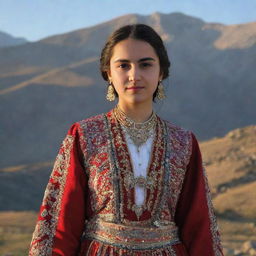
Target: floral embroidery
x=110 y=172
x=180 y=143
x=42 y=240
x=99 y=166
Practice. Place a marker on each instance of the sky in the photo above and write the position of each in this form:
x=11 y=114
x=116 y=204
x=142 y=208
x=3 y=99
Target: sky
x=37 y=19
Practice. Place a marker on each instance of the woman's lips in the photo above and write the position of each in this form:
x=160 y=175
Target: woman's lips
x=134 y=88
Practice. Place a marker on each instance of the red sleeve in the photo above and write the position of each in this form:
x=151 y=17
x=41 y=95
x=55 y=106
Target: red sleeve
x=194 y=215
x=62 y=214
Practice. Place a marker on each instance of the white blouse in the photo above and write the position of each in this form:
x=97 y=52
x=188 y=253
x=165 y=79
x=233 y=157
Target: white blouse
x=140 y=161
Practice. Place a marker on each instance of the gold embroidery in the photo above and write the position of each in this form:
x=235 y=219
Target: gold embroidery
x=217 y=247
x=132 y=237
x=42 y=240
x=180 y=142
x=99 y=165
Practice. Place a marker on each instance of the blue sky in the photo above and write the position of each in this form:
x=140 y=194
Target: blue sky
x=36 y=19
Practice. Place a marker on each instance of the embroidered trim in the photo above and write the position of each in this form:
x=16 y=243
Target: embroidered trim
x=99 y=167
x=180 y=142
x=166 y=181
x=109 y=250
x=217 y=247
x=42 y=240
x=115 y=176
x=132 y=237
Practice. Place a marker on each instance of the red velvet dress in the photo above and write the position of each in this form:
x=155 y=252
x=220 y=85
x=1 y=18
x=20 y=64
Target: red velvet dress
x=89 y=204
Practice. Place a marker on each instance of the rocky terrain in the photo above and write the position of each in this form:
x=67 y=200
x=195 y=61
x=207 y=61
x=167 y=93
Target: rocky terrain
x=231 y=165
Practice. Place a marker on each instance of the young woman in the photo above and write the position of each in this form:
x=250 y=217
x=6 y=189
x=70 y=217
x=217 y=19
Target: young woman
x=127 y=182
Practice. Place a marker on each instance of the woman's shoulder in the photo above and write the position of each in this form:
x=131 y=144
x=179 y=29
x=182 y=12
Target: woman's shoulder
x=181 y=136
x=92 y=120
x=180 y=140
x=175 y=129
x=91 y=124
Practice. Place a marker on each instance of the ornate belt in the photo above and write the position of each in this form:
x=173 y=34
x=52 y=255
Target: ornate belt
x=132 y=237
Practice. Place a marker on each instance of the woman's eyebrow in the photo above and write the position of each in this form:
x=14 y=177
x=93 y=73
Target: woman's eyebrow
x=140 y=60
x=121 y=60
x=147 y=59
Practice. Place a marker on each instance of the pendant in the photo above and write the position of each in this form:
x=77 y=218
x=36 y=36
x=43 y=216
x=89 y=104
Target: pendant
x=138 y=209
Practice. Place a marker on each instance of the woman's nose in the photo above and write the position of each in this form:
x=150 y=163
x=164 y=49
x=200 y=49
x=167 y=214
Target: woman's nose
x=134 y=74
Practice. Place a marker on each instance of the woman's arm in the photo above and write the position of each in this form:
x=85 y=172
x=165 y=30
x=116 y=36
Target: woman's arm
x=62 y=214
x=194 y=215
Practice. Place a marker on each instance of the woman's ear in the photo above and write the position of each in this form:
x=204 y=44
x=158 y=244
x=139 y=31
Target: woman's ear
x=109 y=76
x=161 y=76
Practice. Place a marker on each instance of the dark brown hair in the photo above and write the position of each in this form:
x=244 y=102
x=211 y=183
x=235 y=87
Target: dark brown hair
x=139 y=32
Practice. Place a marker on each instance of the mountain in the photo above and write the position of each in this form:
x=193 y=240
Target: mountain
x=230 y=163
x=7 y=40
x=47 y=85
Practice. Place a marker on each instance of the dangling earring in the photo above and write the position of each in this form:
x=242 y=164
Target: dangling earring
x=111 y=92
x=160 y=91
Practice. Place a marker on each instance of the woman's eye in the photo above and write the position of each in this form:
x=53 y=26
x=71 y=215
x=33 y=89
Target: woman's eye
x=123 y=65
x=146 y=64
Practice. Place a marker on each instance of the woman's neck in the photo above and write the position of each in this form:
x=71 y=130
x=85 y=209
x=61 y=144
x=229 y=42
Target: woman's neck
x=138 y=114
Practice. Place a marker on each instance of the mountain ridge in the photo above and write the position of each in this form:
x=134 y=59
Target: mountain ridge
x=49 y=84
x=7 y=40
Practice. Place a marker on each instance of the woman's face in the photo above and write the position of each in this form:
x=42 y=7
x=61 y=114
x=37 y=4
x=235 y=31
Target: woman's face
x=134 y=71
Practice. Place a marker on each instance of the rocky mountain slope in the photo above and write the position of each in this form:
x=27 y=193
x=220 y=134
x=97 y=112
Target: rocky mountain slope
x=231 y=165
x=47 y=85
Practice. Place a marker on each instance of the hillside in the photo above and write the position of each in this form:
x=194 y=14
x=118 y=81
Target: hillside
x=231 y=165
x=47 y=85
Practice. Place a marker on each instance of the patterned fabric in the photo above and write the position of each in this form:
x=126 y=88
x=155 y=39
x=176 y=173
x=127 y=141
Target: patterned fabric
x=132 y=237
x=43 y=235
x=213 y=222
x=93 y=182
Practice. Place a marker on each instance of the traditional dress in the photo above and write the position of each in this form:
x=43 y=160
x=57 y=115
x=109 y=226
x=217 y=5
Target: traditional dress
x=94 y=203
